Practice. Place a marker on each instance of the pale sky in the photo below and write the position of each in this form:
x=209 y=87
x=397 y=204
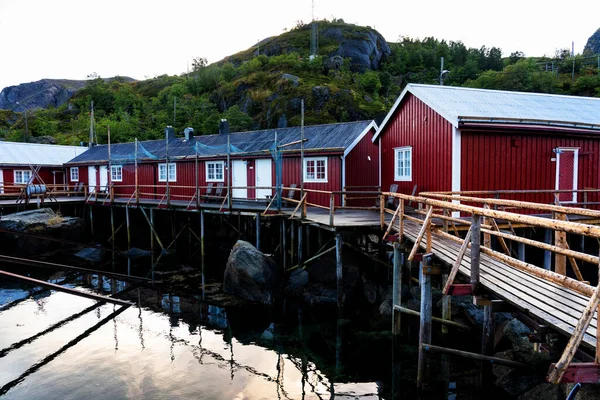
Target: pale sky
x=70 y=39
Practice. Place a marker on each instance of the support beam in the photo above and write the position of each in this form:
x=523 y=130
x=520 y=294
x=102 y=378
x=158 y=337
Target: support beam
x=560 y=261
x=128 y=228
x=548 y=253
x=475 y=255
x=91 y=220
x=446 y=305
x=487 y=336
x=442 y=321
x=425 y=320
x=258 y=231
x=284 y=244
x=339 y=269
x=397 y=288
x=474 y=356
x=300 y=244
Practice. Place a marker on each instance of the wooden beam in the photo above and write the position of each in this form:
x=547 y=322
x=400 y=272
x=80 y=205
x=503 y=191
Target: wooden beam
x=457 y=262
x=579 y=373
x=475 y=356
x=556 y=374
x=397 y=288
x=425 y=318
x=560 y=261
x=475 y=252
x=424 y=228
x=442 y=321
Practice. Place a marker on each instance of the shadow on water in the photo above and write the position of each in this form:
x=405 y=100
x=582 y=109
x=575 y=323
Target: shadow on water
x=185 y=339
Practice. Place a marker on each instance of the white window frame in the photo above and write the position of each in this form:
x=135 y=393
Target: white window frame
x=22 y=172
x=403 y=177
x=162 y=169
x=74 y=174
x=314 y=160
x=215 y=178
x=116 y=168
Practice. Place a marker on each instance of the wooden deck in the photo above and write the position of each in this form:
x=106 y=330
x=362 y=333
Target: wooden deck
x=546 y=301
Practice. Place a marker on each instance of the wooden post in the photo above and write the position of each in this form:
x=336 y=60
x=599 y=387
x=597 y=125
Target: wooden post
x=300 y=245
x=382 y=211
x=284 y=244
x=401 y=222
x=521 y=251
x=547 y=253
x=202 y=239
x=292 y=242
x=112 y=225
x=331 y=209
x=91 y=220
x=128 y=228
x=258 y=231
x=425 y=320
x=308 y=247
x=397 y=288
x=339 y=269
x=446 y=305
x=560 y=238
x=475 y=246
x=151 y=231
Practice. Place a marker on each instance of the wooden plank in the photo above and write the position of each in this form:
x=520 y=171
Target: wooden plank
x=475 y=253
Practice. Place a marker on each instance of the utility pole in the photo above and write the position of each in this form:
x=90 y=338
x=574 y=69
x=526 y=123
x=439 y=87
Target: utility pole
x=26 y=127
x=174 y=111
x=91 y=140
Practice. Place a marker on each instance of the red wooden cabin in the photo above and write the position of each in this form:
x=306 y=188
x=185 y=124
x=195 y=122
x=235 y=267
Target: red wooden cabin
x=335 y=156
x=442 y=138
x=20 y=161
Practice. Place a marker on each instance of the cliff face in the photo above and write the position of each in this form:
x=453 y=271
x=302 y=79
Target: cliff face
x=593 y=44
x=41 y=94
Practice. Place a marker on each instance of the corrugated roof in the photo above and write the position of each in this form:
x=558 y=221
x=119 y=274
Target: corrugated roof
x=458 y=103
x=337 y=137
x=16 y=153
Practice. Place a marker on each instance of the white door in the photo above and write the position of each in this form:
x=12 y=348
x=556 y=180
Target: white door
x=103 y=178
x=1 y=181
x=92 y=179
x=566 y=173
x=239 y=179
x=263 y=178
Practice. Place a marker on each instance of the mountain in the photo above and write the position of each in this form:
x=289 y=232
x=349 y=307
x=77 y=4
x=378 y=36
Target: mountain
x=593 y=44
x=44 y=93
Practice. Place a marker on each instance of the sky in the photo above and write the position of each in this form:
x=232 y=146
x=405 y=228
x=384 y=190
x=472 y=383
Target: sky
x=71 y=39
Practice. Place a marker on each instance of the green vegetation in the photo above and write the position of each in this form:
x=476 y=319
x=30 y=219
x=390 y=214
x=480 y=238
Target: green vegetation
x=264 y=85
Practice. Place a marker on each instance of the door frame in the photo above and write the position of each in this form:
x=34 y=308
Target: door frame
x=94 y=187
x=575 y=151
x=267 y=192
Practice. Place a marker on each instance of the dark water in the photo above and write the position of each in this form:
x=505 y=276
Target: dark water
x=174 y=345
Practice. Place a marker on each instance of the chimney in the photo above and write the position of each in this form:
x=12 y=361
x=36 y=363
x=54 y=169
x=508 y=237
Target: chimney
x=169 y=132
x=223 y=127
x=188 y=133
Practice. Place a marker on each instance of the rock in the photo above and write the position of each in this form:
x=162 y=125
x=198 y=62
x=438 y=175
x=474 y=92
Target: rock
x=515 y=329
x=365 y=47
x=386 y=308
x=251 y=275
x=294 y=80
x=321 y=96
x=134 y=253
x=41 y=222
x=370 y=290
x=500 y=370
x=464 y=305
x=43 y=140
x=297 y=282
x=516 y=382
x=368 y=98
x=333 y=63
x=587 y=392
x=94 y=254
x=546 y=391
x=318 y=294
x=593 y=44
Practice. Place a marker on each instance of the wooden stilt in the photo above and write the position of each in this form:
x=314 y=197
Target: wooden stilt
x=258 y=231
x=300 y=245
x=128 y=228
x=91 y=220
x=292 y=241
x=284 y=244
x=521 y=251
x=308 y=247
x=475 y=247
x=560 y=238
x=151 y=230
x=425 y=320
x=339 y=269
x=446 y=305
x=397 y=289
x=112 y=225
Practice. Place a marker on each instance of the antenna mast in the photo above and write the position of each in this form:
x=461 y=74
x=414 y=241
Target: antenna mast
x=314 y=37
x=91 y=141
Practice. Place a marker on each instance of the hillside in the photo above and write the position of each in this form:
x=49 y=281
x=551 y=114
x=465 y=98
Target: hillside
x=356 y=75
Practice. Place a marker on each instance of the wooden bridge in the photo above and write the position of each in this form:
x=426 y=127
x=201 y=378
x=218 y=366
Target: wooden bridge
x=444 y=232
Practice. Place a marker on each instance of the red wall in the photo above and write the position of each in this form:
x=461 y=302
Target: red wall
x=362 y=172
x=522 y=161
x=292 y=170
x=415 y=124
x=46 y=173
x=83 y=175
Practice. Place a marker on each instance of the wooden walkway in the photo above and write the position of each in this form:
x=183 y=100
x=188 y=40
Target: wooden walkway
x=546 y=301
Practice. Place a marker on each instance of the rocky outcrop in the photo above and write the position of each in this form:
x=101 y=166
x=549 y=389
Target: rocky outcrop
x=593 y=44
x=42 y=223
x=40 y=94
x=251 y=275
x=365 y=48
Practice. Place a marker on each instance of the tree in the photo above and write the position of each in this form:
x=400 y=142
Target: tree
x=198 y=63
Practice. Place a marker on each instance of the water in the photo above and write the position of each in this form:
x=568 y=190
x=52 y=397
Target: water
x=173 y=345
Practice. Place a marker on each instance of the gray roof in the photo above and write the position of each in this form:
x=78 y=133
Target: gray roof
x=340 y=137
x=17 y=153
x=458 y=104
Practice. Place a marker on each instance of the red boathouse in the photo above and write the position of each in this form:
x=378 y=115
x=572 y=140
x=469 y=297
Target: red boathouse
x=442 y=138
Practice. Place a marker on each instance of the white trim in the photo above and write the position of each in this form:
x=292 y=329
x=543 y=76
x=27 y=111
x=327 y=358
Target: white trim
x=575 y=151
x=403 y=178
x=163 y=165
x=1 y=181
x=71 y=169
x=120 y=167
x=359 y=137
x=21 y=181
x=456 y=165
x=304 y=169
x=207 y=163
x=379 y=147
x=343 y=179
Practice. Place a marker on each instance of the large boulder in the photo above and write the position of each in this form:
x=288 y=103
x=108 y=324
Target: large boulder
x=251 y=275
x=365 y=47
x=42 y=222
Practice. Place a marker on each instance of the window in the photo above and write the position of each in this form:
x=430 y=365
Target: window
x=315 y=169
x=162 y=172
x=403 y=164
x=74 y=174
x=22 y=176
x=214 y=171
x=116 y=173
